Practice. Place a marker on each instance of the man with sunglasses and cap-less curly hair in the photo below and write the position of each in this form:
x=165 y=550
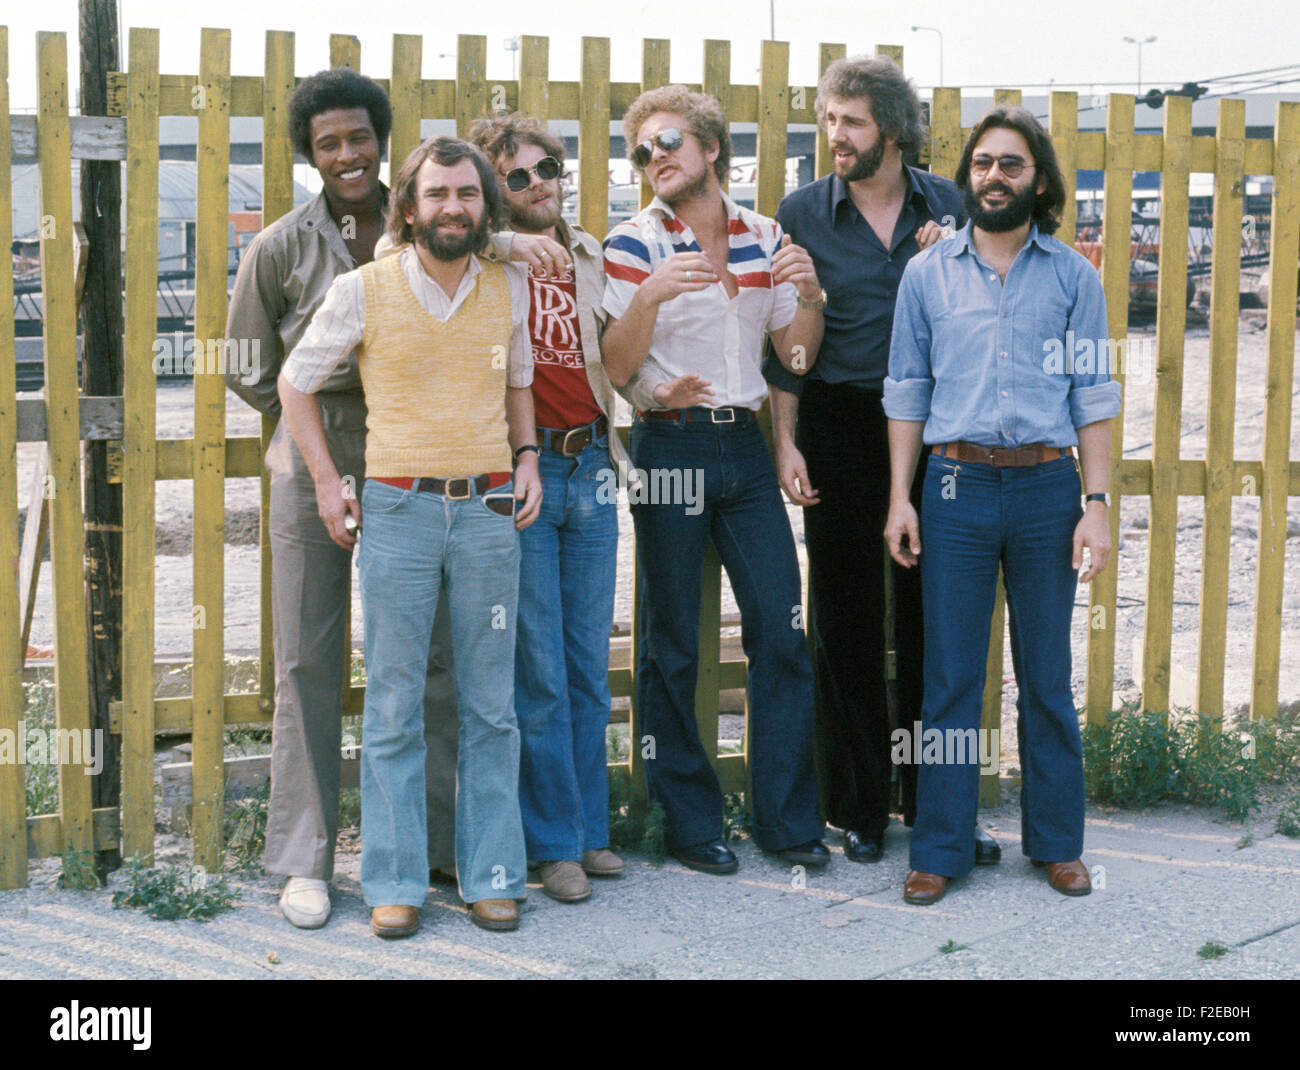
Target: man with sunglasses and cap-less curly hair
x=695 y=284
x=567 y=567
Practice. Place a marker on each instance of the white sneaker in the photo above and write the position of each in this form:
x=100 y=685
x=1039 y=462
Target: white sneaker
x=305 y=902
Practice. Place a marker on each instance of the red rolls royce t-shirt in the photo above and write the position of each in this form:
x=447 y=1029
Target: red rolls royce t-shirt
x=562 y=397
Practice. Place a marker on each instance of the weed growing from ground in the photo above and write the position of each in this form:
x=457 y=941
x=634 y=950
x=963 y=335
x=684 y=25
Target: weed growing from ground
x=245 y=830
x=170 y=893
x=77 y=872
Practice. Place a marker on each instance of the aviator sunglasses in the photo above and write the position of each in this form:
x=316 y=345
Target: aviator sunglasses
x=547 y=168
x=1011 y=166
x=669 y=140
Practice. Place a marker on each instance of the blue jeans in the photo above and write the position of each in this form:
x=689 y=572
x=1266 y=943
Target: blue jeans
x=975 y=516
x=415 y=547
x=739 y=509
x=566 y=610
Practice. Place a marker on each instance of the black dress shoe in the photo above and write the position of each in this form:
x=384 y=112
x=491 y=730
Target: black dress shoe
x=713 y=857
x=812 y=853
x=987 y=851
x=860 y=848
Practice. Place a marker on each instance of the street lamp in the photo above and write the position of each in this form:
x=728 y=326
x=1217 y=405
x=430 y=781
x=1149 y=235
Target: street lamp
x=1140 y=41
x=932 y=29
x=511 y=45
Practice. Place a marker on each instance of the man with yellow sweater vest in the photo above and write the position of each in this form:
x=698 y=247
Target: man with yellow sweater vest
x=441 y=345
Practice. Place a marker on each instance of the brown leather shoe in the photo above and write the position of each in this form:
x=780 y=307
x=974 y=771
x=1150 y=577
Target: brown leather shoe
x=564 y=881
x=393 y=922
x=499 y=915
x=602 y=862
x=924 y=889
x=1069 y=878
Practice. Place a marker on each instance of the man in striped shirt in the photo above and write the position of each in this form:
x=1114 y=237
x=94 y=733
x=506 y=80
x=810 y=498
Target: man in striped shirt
x=694 y=286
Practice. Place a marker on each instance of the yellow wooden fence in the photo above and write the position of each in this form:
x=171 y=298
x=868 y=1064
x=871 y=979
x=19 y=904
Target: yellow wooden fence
x=142 y=94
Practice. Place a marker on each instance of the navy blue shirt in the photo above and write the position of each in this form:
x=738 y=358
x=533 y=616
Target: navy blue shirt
x=859 y=274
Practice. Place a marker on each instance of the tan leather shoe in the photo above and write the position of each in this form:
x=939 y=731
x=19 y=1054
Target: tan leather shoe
x=1069 y=878
x=499 y=915
x=601 y=862
x=393 y=922
x=924 y=889
x=564 y=881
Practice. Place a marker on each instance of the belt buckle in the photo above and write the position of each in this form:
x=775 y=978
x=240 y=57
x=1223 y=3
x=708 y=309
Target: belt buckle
x=449 y=492
x=565 y=447
x=716 y=415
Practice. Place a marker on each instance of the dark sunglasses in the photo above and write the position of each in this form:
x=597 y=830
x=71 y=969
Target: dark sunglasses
x=547 y=168
x=1011 y=166
x=669 y=140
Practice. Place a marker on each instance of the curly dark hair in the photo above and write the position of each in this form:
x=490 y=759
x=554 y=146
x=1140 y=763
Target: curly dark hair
x=1051 y=202
x=447 y=152
x=501 y=135
x=894 y=104
x=338 y=87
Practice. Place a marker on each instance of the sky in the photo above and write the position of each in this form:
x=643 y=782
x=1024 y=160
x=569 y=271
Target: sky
x=1070 y=45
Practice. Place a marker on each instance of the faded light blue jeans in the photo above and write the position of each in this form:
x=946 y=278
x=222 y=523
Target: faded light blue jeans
x=566 y=609
x=415 y=548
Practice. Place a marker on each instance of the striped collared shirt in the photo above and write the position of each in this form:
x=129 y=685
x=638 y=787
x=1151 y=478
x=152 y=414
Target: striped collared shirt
x=706 y=332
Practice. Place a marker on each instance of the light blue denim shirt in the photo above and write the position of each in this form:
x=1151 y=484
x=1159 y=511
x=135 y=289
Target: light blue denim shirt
x=1001 y=364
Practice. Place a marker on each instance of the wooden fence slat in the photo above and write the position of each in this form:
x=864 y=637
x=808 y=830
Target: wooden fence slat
x=1063 y=125
x=710 y=653
x=1283 y=251
x=1009 y=98
x=717 y=78
x=654 y=73
x=345 y=51
x=1171 y=318
x=63 y=423
x=894 y=52
x=826 y=55
x=471 y=81
x=773 y=107
x=534 y=69
x=1220 y=484
x=946 y=138
x=13 y=795
x=139 y=392
x=277 y=200
x=1116 y=229
x=593 y=138
x=210 y=451
x=406 y=92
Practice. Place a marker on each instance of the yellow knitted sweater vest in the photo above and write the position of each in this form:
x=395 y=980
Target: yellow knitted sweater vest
x=435 y=391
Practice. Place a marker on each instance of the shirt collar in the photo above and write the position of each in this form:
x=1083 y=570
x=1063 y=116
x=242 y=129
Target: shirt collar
x=661 y=207
x=840 y=190
x=317 y=213
x=960 y=242
x=412 y=261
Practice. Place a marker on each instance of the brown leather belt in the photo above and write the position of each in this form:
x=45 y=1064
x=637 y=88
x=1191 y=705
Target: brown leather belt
x=1001 y=456
x=572 y=442
x=699 y=414
x=456 y=489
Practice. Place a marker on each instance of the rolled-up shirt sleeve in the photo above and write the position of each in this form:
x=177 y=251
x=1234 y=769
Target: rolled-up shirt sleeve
x=1094 y=395
x=335 y=331
x=910 y=382
x=520 y=361
x=627 y=265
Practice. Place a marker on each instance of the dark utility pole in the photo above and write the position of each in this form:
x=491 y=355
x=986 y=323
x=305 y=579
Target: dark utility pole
x=101 y=340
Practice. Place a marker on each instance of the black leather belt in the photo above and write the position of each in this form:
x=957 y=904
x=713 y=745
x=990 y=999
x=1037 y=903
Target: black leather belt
x=700 y=414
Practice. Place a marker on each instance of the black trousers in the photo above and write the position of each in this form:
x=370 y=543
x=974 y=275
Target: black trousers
x=842 y=434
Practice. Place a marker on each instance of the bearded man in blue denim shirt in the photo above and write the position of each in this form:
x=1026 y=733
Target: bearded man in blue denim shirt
x=998 y=365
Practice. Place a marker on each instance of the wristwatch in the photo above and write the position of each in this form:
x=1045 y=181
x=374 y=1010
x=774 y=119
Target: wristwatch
x=812 y=306
x=1103 y=498
x=530 y=448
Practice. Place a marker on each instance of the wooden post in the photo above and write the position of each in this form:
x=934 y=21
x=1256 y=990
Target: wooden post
x=212 y=101
x=1116 y=236
x=593 y=139
x=63 y=429
x=471 y=81
x=717 y=78
x=1171 y=318
x=139 y=452
x=13 y=804
x=1275 y=486
x=773 y=113
x=101 y=347
x=534 y=84
x=1225 y=280
x=406 y=92
x=946 y=139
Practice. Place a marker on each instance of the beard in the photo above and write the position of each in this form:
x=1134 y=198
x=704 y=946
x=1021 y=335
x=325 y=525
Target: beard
x=866 y=165
x=450 y=248
x=690 y=192
x=1014 y=213
x=535 y=217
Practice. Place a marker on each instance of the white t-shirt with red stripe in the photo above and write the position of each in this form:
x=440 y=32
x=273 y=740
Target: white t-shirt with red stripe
x=707 y=333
